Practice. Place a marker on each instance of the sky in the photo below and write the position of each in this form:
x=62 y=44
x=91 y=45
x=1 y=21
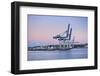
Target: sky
x=42 y=28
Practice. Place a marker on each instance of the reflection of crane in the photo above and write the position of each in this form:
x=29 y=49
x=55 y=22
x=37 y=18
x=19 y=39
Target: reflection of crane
x=65 y=37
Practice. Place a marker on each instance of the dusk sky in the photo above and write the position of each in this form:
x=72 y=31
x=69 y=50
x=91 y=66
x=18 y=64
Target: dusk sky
x=41 y=28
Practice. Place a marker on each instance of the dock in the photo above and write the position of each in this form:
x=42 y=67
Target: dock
x=66 y=42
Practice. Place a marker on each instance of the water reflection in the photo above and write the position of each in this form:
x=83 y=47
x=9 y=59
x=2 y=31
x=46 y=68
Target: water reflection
x=77 y=53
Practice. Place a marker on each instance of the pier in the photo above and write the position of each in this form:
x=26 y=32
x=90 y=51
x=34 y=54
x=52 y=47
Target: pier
x=57 y=47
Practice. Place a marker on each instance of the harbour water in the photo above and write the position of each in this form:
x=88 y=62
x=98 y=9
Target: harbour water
x=75 y=53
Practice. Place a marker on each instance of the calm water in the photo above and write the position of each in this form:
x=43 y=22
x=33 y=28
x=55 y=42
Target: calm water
x=77 y=53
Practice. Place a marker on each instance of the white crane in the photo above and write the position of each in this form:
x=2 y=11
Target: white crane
x=65 y=38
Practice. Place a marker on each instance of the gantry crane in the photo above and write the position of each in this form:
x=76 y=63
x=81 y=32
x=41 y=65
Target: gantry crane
x=64 y=38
